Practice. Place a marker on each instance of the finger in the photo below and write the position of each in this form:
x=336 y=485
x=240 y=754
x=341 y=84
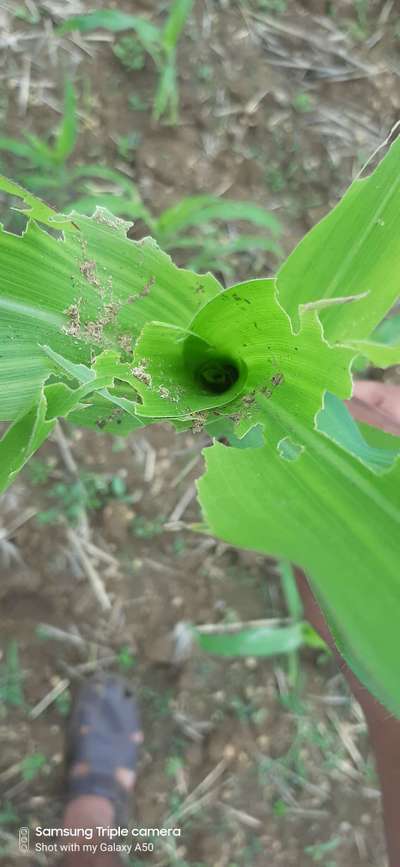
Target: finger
x=380 y=396
x=370 y=415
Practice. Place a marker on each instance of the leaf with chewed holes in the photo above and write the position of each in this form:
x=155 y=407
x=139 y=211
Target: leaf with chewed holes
x=240 y=359
x=336 y=519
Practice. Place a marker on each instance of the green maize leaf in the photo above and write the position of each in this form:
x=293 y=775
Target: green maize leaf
x=121 y=206
x=378 y=438
x=37 y=209
x=95 y=385
x=166 y=96
x=42 y=181
x=273 y=377
x=219 y=247
x=22 y=439
x=104 y=173
x=144 y=278
x=354 y=252
x=32 y=303
x=255 y=641
x=58 y=400
x=388 y=331
x=177 y=17
x=91 y=319
x=111 y=19
x=99 y=378
x=16 y=148
x=329 y=514
x=377 y=353
x=336 y=422
x=42 y=153
x=290 y=590
x=222 y=427
x=100 y=416
x=198 y=210
x=91 y=290
x=68 y=132
x=105 y=367
x=312 y=639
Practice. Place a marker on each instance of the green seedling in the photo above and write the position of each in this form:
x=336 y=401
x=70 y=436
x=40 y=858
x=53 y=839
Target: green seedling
x=205 y=230
x=91 y=492
x=46 y=167
x=270 y=640
x=46 y=155
x=160 y=43
x=32 y=765
x=208 y=232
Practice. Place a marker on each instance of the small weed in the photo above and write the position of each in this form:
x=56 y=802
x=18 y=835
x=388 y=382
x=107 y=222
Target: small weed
x=145 y=38
x=178 y=546
x=128 y=144
x=361 y=7
x=319 y=850
x=71 y=501
x=32 y=765
x=279 y=808
x=275 y=178
x=125 y=659
x=31 y=15
x=158 y=702
x=174 y=802
x=143 y=528
x=8 y=816
x=271 y=6
x=173 y=766
x=11 y=677
x=63 y=703
x=130 y=53
x=230 y=615
x=250 y=852
x=39 y=471
x=243 y=709
x=302 y=102
x=137 y=103
x=91 y=492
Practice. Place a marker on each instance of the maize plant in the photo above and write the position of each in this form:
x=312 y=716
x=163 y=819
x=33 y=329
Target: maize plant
x=109 y=333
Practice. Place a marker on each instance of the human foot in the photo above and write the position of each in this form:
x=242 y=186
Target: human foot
x=102 y=745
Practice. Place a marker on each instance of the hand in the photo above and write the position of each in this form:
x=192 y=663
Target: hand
x=376 y=403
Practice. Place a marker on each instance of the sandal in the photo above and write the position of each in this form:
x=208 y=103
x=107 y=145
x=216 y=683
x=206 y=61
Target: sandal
x=102 y=742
